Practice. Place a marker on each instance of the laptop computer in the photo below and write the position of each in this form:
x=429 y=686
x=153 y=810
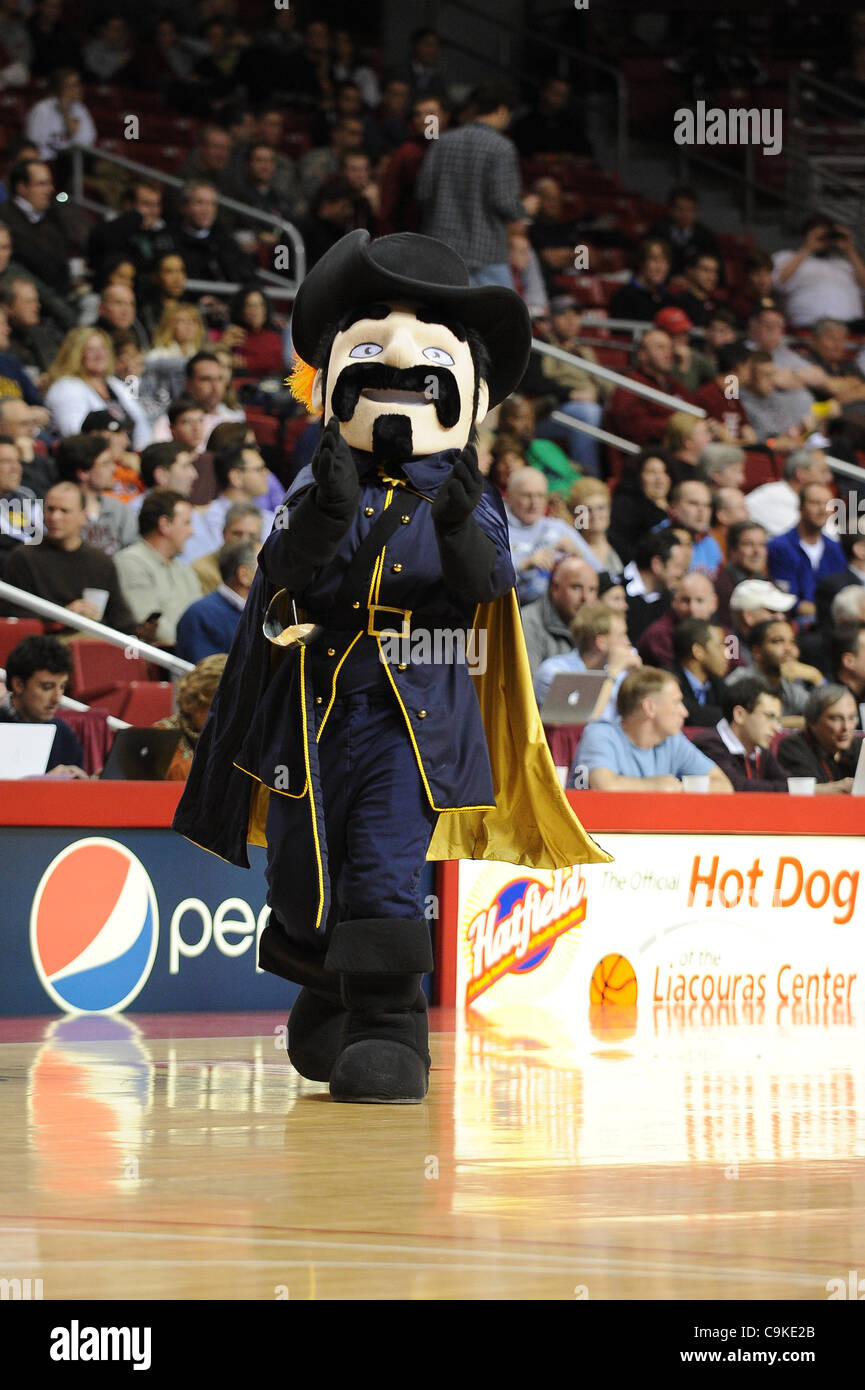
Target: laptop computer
x=140 y=755
x=25 y=750
x=858 y=788
x=572 y=699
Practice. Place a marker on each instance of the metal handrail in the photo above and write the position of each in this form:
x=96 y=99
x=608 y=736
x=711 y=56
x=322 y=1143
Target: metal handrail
x=607 y=374
x=797 y=78
x=603 y=436
x=56 y=614
x=287 y=286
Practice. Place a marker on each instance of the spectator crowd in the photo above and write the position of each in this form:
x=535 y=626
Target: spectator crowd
x=703 y=564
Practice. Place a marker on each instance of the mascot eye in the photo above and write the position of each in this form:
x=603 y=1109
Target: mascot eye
x=365 y=350
x=439 y=355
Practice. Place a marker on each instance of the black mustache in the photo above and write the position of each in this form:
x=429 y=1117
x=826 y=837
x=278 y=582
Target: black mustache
x=379 y=377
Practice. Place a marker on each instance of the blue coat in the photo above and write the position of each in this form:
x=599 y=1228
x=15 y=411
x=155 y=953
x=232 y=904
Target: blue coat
x=256 y=722
x=207 y=627
x=791 y=569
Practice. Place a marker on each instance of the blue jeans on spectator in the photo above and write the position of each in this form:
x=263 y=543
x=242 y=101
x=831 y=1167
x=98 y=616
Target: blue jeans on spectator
x=497 y=274
x=581 y=448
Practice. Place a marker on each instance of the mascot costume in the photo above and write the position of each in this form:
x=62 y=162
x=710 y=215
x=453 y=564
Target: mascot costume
x=329 y=741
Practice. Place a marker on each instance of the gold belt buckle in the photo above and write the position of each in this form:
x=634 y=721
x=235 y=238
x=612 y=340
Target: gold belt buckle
x=374 y=630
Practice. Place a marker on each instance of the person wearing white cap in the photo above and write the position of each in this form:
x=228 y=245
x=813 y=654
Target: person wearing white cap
x=755 y=601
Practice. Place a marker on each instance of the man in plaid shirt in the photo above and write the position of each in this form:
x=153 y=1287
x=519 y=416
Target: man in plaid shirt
x=469 y=186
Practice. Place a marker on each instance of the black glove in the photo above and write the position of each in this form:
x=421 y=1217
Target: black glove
x=309 y=537
x=335 y=472
x=457 y=498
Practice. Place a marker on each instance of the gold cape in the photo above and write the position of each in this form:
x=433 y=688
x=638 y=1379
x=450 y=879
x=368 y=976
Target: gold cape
x=532 y=823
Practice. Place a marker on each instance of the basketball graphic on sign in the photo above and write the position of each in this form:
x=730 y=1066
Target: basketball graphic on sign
x=614 y=981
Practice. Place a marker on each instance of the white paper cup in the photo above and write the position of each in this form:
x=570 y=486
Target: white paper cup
x=99 y=599
x=801 y=786
x=696 y=782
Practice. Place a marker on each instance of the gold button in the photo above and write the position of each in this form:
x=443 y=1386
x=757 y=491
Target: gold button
x=401 y=666
x=355 y=605
x=421 y=714
x=405 y=520
x=369 y=511
x=318 y=700
x=397 y=569
x=331 y=651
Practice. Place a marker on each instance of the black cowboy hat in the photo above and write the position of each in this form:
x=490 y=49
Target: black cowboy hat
x=407 y=266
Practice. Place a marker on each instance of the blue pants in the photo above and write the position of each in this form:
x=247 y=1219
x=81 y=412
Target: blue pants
x=378 y=824
x=581 y=448
x=498 y=273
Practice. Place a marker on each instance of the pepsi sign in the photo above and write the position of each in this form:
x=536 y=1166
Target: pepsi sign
x=94 y=927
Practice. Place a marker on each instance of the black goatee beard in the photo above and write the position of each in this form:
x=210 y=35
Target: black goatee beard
x=392 y=443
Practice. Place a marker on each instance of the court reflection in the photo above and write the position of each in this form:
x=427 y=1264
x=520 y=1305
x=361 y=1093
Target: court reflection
x=711 y=1083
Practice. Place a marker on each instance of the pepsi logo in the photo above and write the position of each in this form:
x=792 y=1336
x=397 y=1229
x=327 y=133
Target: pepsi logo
x=94 y=926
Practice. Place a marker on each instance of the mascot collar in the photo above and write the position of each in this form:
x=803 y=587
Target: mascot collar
x=426 y=473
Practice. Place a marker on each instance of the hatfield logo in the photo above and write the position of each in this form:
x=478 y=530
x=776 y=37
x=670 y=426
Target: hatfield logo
x=519 y=928
x=94 y=927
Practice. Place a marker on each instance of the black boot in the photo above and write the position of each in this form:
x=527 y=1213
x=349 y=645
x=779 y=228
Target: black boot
x=317 y=1019
x=384 y=1056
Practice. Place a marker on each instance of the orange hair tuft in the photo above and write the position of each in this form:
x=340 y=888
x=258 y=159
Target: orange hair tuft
x=300 y=383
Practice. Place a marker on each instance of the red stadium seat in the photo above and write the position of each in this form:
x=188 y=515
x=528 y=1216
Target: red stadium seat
x=266 y=428
x=13 y=631
x=90 y=727
x=100 y=669
x=147 y=701
x=564 y=739
x=760 y=467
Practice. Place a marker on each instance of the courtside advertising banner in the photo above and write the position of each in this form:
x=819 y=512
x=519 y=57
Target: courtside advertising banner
x=758 y=926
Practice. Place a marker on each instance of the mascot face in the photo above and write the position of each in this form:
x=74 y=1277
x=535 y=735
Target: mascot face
x=401 y=383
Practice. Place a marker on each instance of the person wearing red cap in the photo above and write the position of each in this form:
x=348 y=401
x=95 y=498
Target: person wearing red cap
x=691 y=367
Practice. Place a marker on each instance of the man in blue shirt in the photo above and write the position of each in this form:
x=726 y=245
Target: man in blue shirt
x=647 y=751
x=691 y=506
x=801 y=557
x=600 y=644
x=208 y=625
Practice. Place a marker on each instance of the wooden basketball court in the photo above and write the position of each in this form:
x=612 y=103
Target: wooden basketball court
x=180 y=1157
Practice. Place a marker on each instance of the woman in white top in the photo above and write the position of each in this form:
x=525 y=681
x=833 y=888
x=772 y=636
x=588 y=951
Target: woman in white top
x=180 y=333
x=81 y=378
x=61 y=120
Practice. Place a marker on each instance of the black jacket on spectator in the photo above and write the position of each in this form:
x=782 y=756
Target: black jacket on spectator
x=827 y=588
x=635 y=301
x=319 y=236
x=37 y=346
x=66 y=751
x=641 y=613
x=41 y=247
x=800 y=755
x=760 y=773
x=214 y=257
x=701 y=239
x=632 y=515
x=48 y=572
x=127 y=235
x=700 y=716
